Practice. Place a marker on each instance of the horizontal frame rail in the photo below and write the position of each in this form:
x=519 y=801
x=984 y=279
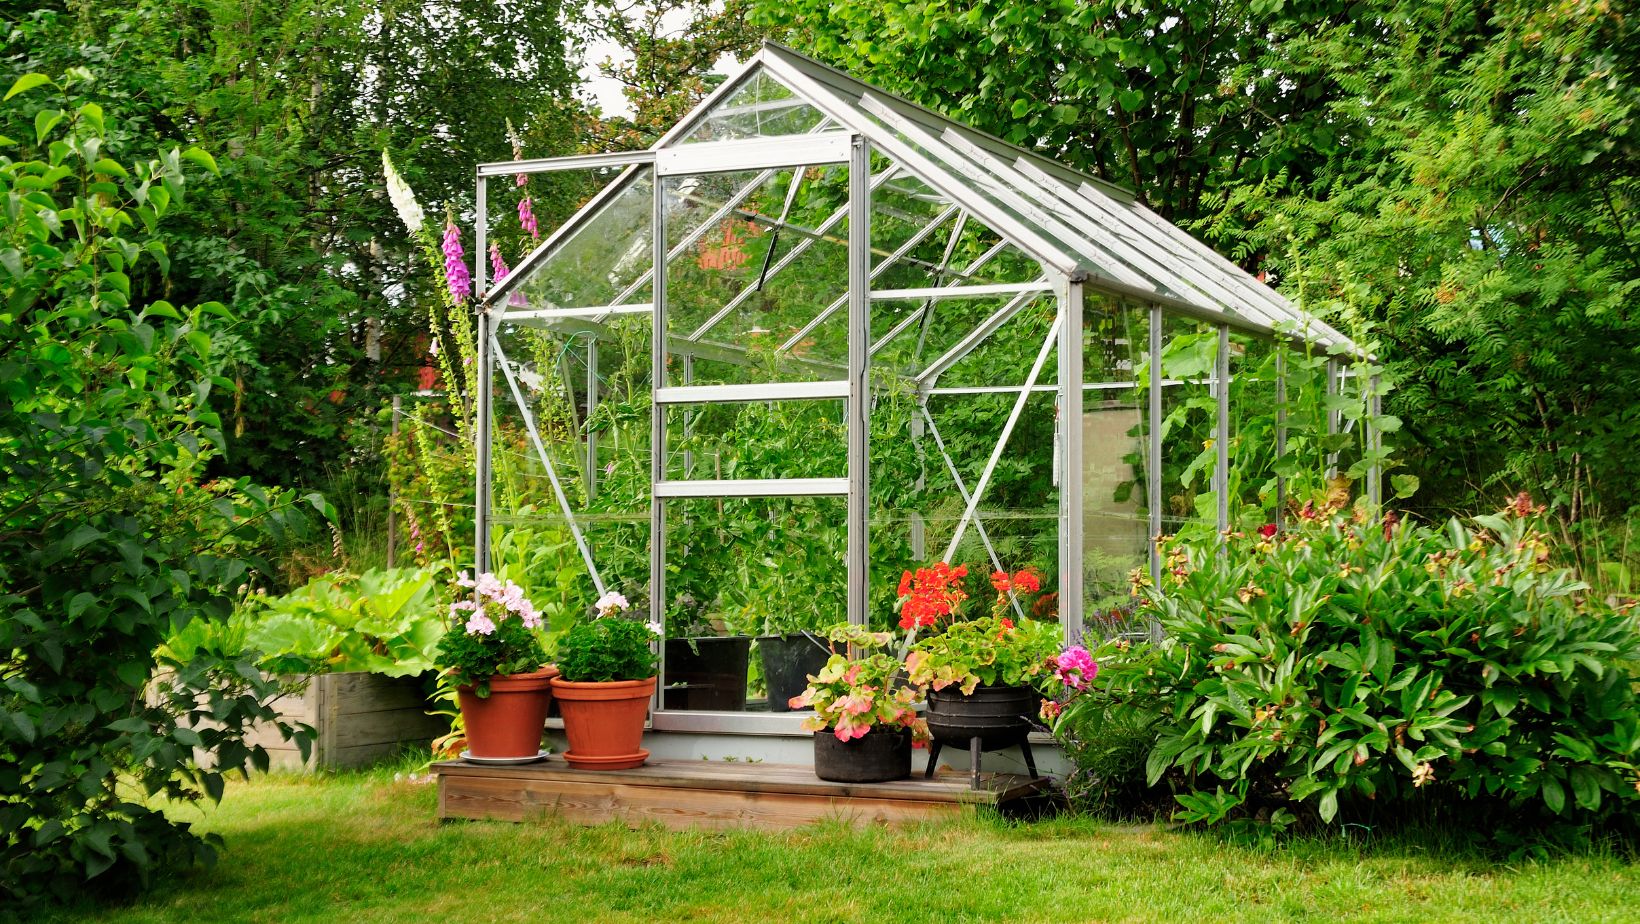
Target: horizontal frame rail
x=758 y=391
x=755 y=487
x=975 y=291
x=572 y=162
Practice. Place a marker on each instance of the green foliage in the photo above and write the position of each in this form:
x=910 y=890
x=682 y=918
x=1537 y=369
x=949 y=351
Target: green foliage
x=991 y=650
x=114 y=536
x=1353 y=659
x=384 y=622
x=605 y=650
x=1107 y=748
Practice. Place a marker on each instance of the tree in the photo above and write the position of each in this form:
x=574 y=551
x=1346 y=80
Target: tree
x=112 y=534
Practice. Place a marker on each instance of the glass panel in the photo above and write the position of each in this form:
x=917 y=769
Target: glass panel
x=767 y=259
x=1189 y=418
x=906 y=206
x=757 y=439
x=740 y=569
x=1115 y=443
x=1253 y=409
x=607 y=489
x=606 y=261
x=763 y=107
x=1006 y=356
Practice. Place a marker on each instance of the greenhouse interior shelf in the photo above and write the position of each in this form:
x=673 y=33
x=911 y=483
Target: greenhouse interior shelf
x=817 y=336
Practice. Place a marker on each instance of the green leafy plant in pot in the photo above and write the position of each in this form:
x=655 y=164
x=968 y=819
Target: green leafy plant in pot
x=494 y=655
x=981 y=675
x=865 y=719
x=606 y=682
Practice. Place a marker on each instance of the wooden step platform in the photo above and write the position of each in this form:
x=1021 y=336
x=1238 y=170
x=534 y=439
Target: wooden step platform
x=708 y=794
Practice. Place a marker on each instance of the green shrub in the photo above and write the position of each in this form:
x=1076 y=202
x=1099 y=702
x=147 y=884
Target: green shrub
x=1352 y=659
x=605 y=650
x=114 y=534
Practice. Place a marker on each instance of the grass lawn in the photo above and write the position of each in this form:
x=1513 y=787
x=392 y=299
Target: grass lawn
x=361 y=847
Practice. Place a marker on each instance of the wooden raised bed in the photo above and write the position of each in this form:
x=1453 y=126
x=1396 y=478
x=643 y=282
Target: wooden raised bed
x=708 y=794
x=358 y=718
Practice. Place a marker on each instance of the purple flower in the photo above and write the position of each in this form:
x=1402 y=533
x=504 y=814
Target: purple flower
x=526 y=217
x=455 y=264
x=1075 y=667
x=498 y=268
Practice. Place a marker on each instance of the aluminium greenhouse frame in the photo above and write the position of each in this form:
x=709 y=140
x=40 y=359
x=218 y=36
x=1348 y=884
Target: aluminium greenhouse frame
x=1090 y=239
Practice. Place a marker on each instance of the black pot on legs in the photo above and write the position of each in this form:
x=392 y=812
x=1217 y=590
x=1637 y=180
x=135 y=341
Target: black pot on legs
x=988 y=719
x=788 y=660
x=883 y=755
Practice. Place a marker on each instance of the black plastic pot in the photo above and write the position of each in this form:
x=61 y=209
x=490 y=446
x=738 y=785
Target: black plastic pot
x=999 y=716
x=788 y=660
x=884 y=754
x=707 y=674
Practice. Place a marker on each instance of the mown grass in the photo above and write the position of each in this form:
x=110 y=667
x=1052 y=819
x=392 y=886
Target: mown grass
x=363 y=847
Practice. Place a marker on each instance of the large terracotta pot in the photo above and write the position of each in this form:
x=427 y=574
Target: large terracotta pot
x=604 y=722
x=507 y=723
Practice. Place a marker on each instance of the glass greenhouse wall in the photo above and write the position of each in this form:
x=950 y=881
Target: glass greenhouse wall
x=817 y=336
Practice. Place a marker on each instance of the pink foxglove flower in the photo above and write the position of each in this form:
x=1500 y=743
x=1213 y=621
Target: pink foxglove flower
x=498 y=269
x=526 y=217
x=455 y=264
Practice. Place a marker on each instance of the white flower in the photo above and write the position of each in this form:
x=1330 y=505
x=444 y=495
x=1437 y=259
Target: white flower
x=404 y=199
x=531 y=379
x=610 y=604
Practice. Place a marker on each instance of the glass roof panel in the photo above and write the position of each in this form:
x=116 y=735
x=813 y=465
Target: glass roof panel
x=761 y=108
x=605 y=260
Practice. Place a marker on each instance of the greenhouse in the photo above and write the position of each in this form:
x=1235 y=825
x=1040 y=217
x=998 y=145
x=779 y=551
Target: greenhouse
x=818 y=335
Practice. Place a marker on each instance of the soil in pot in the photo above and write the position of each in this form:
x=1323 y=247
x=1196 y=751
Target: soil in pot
x=882 y=755
x=707 y=674
x=507 y=723
x=604 y=722
x=788 y=660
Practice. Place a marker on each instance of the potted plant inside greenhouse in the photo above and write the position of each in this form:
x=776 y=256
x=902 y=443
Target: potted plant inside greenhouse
x=607 y=677
x=981 y=675
x=865 y=715
x=494 y=655
x=790 y=654
x=706 y=660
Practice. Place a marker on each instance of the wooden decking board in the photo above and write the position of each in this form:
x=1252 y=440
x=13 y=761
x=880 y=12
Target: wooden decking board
x=705 y=794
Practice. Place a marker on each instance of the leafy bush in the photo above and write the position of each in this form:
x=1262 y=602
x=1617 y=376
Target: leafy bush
x=1350 y=659
x=606 y=650
x=1108 y=749
x=114 y=536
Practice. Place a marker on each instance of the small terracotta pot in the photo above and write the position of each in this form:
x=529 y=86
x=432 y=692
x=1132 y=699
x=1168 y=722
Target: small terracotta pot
x=604 y=722
x=508 y=723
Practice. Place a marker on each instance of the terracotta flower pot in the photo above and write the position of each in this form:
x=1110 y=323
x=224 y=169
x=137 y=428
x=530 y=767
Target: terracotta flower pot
x=508 y=722
x=604 y=722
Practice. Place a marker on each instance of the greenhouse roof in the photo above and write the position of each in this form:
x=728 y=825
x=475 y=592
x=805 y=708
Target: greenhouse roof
x=1076 y=226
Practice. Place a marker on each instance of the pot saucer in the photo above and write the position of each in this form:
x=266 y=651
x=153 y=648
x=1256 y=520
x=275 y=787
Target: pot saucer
x=608 y=762
x=502 y=761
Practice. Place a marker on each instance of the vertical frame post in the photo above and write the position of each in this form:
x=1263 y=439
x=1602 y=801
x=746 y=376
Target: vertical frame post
x=1375 y=439
x=592 y=405
x=657 y=434
x=859 y=379
x=1071 y=519
x=1153 y=435
x=1221 y=432
x=919 y=528
x=1281 y=430
x=1333 y=387
x=481 y=401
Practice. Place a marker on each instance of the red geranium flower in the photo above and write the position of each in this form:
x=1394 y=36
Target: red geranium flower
x=1268 y=530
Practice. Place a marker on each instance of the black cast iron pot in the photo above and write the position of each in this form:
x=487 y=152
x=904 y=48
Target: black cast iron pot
x=999 y=716
x=884 y=754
